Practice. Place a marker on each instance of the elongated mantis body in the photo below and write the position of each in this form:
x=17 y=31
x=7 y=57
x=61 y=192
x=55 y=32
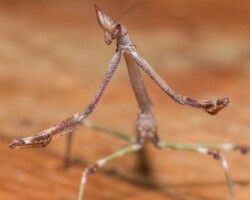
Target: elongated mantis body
x=145 y=123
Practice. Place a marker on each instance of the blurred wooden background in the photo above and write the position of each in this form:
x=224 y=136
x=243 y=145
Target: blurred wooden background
x=52 y=59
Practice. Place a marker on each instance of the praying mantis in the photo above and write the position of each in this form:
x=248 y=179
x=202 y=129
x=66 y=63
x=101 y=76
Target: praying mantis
x=146 y=128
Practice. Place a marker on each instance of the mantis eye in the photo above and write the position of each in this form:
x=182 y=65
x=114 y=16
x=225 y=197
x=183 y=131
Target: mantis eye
x=116 y=30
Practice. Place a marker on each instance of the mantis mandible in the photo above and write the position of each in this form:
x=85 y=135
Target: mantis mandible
x=145 y=123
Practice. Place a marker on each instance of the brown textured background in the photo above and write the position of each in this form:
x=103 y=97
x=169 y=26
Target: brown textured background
x=52 y=58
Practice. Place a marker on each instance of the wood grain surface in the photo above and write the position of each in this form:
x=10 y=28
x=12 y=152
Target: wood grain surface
x=52 y=58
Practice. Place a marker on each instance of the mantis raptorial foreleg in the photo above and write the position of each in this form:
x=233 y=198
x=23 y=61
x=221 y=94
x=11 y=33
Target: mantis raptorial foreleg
x=145 y=124
x=211 y=107
x=43 y=138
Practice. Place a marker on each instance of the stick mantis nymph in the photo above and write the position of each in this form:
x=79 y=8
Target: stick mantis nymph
x=145 y=124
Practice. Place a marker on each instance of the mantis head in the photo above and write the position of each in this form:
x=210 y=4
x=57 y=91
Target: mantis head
x=112 y=30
